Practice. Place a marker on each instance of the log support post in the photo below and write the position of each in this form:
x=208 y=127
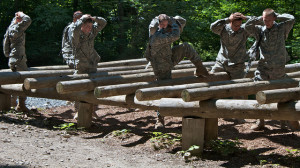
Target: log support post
x=85 y=114
x=211 y=129
x=5 y=102
x=193 y=133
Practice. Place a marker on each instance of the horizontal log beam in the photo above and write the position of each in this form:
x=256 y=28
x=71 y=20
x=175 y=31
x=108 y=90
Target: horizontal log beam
x=45 y=82
x=126 y=89
x=228 y=108
x=199 y=94
x=90 y=84
x=174 y=91
x=19 y=77
x=278 y=95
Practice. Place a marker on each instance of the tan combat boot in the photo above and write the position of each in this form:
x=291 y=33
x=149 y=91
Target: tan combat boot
x=21 y=107
x=200 y=69
x=160 y=122
x=13 y=101
x=294 y=125
x=259 y=125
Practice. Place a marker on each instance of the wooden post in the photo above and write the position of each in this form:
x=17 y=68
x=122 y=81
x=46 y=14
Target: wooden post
x=85 y=114
x=5 y=102
x=211 y=129
x=193 y=133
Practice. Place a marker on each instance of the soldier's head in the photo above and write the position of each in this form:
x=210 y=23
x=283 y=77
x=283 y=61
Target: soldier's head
x=87 y=26
x=77 y=15
x=269 y=17
x=163 y=21
x=236 y=21
x=18 y=17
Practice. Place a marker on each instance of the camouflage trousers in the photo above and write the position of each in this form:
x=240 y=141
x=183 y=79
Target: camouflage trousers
x=17 y=64
x=163 y=68
x=265 y=72
x=235 y=71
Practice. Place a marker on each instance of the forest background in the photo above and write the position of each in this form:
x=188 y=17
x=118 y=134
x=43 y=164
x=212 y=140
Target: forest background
x=126 y=34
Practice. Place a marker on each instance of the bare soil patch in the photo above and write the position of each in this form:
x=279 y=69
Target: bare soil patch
x=31 y=141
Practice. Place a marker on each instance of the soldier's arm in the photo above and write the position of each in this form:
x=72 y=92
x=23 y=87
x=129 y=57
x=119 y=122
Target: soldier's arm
x=25 y=23
x=153 y=26
x=219 y=25
x=288 y=21
x=99 y=24
x=160 y=38
x=253 y=25
x=64 y=37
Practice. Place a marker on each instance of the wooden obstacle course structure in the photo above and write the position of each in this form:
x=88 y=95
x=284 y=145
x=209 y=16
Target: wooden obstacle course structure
x=198 y=100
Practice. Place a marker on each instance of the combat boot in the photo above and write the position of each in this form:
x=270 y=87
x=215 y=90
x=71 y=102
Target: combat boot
x=294 y=125
x=13 y=101
x=259 y=125
x=160 y=122
x=21 y=107
x=200 y=69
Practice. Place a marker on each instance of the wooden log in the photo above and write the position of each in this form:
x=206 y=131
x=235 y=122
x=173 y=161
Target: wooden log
x=121 y=89
x=143 y=105
x=47 y=82
x=174 y=91
x=88 y=97
x=228 y=108
x=5 y=102
x=193 y=133
x=85 y=114
x=19 y=77
x=18 y=89
x=89 y=84
x=199 y=94
x=278 y=95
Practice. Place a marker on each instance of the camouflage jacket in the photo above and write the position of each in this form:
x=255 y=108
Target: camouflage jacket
x=159 y=50
x=14 y=38
x=66 y=45
x=83 y=45
x=233 y=43
x=272 y=41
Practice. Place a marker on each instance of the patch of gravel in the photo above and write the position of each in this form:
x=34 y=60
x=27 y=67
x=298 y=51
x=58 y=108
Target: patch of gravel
x=44 y=103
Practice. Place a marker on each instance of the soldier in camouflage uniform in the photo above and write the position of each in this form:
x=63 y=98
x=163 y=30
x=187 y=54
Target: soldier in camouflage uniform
x=273 y=55
x=67 y=50
x=165 y=30
x=14 y=48
x=85 y=31
x=83 y=36
x=233 y=53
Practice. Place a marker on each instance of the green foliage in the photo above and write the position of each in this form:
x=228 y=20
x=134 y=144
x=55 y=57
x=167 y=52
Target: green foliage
x=68 y=127
x=161 y=140
x=121 y=132
x=225 y=147
x=126 y=33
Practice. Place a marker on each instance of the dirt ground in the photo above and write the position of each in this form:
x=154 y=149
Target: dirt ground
x=31 y=141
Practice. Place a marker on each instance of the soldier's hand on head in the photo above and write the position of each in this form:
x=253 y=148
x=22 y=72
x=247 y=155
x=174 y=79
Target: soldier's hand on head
x=171 y=21
x=243 y=17
x=231 y=17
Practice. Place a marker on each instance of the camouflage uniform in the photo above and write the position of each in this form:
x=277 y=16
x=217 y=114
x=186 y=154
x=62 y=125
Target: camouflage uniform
x=273 y=55
x=67 y=50
x=86 y=57
x=14 y=48
x=233 y=53
x=14 y=44
x=162 y=56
